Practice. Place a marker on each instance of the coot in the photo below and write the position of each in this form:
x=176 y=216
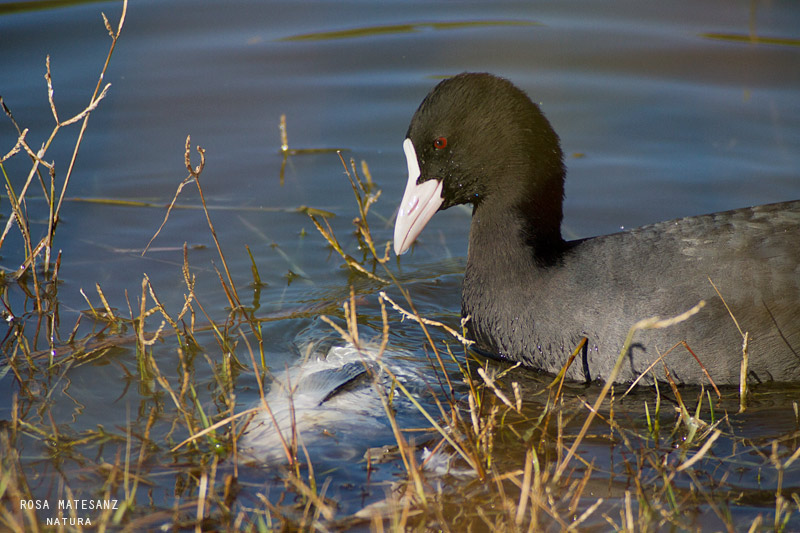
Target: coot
x=532 y=296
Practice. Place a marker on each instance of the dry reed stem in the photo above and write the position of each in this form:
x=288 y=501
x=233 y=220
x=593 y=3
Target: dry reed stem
x=586 y=514
x=190 y=280
x=185 y=182
x=284 y=136
x=91 y=307
x=526 y=487
x=701 y=452
x=649 y=323
x=201 y=500
x=562 y=374
x=195 y=172
x=421 y=320
x=194 y=176
x=143 y=314
x=364 y=200
x=107 y=307
x=743 y=373
x=18 y=215
x=745 y=357
x=351 y=262
x=660 y=359
x=318 y=501
x=212 y=427
x=794 y=457
x=490 y=382
x=20 y=141
x=579 y=488
x=95 y=99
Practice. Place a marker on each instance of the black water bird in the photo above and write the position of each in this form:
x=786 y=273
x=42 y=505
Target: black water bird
x=532 y=296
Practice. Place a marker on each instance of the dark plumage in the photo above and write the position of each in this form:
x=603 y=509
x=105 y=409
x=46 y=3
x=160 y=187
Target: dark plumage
x=532 y=296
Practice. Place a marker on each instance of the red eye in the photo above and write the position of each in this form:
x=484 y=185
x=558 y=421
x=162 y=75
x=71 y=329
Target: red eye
x=440 y=143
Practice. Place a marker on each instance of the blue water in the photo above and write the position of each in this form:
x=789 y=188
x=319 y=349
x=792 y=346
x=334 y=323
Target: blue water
x=659 y=118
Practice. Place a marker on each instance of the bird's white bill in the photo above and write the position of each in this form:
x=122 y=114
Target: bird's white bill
x=420 y=202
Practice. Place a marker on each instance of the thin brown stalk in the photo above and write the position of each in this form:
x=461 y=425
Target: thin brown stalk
x=421 y=320
x=17 y=147
x=109 y=312
x=650 y=323
x=490 y=382
x=185 y=182
x=661 y=359
x=324 y=508
x=331 y=238
x=701 y=452
x=743 y=373
x=562 y=374
x=745 y=355
x=526 y=487
x=95 y=99
x=196 y=174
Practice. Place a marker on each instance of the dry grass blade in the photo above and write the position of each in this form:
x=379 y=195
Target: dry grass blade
x=319 y=503
x=743 y=373
x=109 y=311
x=18 y=215
x=586 y=514
x=701 y=452
x=185 y=182
x=526 y=487
x=141 y=339
x=562 y=374
x=194 y=177
x=94 y=101
x=490 y=382
x=334 y=242
x=20 y=141
x=195 y=173
x=660 y=359
x=794 y=457
x=209 y=429
x=421 y=320
x=745 y=354
x=649 y=323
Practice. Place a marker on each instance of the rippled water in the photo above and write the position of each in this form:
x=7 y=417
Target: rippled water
x=664 y=110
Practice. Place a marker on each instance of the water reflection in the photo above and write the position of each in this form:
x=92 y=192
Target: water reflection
x=404 y=28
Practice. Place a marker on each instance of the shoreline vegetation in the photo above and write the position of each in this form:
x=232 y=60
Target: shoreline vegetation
x=526 y=443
